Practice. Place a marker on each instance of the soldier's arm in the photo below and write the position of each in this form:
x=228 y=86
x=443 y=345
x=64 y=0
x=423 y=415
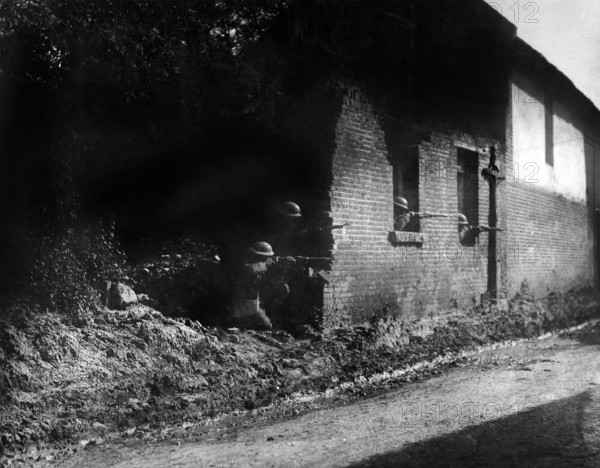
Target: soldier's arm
x=282 y=263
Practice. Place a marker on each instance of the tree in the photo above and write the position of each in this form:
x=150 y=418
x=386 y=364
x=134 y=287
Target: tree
x=94 y=88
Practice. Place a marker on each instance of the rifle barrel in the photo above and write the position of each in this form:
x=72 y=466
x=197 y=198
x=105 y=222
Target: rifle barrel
x=425 y=214
x=325 y=228
x=314 y=258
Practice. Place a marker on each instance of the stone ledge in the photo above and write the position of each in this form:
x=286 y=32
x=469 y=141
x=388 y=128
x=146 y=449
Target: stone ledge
x=402 y=237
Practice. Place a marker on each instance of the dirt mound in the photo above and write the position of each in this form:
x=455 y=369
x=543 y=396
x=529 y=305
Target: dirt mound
x=135 y=367
x=136 y=371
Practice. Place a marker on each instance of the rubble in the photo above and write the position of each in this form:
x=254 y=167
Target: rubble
x=120 y=296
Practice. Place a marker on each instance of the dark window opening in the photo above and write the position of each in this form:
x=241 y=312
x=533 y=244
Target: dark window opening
x=468 y=188
x=549 y=125
x=406 y=185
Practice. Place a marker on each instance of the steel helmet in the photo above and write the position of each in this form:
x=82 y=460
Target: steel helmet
x=262 y=248
x=290 y=209
x=401 y=202
x=462 y=219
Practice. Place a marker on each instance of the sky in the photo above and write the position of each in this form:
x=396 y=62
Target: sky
x=566 y=32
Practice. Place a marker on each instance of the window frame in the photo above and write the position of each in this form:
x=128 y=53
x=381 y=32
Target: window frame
x=467 y=185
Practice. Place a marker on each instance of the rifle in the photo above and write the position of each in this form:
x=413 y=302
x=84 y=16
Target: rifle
x=313 y=258
x=325 y=228
x=282 y=271
x=487 y=228
x=425 y=214
x=308 y=259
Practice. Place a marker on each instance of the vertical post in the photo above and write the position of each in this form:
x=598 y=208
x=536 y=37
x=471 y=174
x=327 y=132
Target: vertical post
x=492 y=175
x=591 y=162
x=492 y=244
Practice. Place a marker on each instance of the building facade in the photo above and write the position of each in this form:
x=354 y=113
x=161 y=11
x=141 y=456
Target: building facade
x=416 y=112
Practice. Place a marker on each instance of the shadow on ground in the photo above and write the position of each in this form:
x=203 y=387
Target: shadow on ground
x=589 y=335
x=550 y=435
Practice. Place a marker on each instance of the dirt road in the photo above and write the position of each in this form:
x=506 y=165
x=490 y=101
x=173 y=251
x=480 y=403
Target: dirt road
x=534 y=404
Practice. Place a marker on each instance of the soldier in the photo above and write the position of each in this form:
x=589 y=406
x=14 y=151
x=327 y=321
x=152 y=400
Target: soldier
x=241 y=230
x=465 y=234
x=468 y=234
x=286 y=235
x=260 y=286
x=290 y=237
x=405 y=220
x=402 y=216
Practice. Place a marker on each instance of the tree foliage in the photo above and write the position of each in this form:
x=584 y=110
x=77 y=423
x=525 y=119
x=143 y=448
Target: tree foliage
x=73 y=267
x=131 y=48
x=87 y=87
x=113 y=80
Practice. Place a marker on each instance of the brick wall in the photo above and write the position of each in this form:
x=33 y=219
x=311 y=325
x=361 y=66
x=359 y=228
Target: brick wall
x=546 y=239
x=372 y=274
x=549 y=244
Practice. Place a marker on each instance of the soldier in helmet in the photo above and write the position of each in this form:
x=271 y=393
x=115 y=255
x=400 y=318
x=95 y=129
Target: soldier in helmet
x=286 y=236
x=403 y=218
x=401 y=213
x=233 y=242
x=468 y=234
x=260 y=287
x=463 y=226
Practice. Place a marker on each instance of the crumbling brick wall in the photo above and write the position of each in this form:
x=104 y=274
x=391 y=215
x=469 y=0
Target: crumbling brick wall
x=371 y=274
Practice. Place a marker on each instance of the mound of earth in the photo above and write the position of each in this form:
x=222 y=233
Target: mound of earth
x=137 y=372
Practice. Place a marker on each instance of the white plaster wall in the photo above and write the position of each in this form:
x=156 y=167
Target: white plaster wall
x=567 y=176
x=569 y=157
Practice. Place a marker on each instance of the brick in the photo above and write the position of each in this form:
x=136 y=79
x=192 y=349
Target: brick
x=371 y=273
